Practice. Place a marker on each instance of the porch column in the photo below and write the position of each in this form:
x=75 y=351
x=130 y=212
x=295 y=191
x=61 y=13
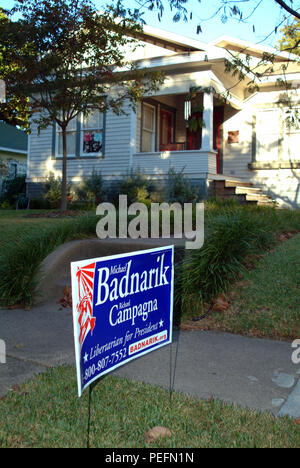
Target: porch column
x=208 y=116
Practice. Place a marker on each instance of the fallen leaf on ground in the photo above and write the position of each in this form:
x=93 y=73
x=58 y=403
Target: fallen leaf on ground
x=18 y=345
x=221 y=303
x=66 y=300
x=157 y=432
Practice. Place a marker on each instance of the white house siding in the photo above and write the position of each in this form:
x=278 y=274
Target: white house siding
x=195 y=164
x=113 y=164
x=263 y=139
x=40 y=153
x=281 y=185
x=138 y=128
x=237 y=156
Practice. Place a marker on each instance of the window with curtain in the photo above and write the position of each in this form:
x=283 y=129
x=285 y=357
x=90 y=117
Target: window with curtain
x=91 y=133
x=71 y=139
x=148 y=128
x=85 y=135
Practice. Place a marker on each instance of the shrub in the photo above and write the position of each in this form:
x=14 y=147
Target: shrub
x=39 y=203
x=3 y=168
x=5 y=205
x=229 y=239
x=52 y=190
x=12 y=188
x=91 y=190
x=20 y=261
x=179 y=188
x=135 y=186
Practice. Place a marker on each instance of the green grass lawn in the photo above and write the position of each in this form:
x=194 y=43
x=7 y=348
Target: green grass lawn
x=15 y=224
x=266 y=301
x=24 y=244
x=46 y=412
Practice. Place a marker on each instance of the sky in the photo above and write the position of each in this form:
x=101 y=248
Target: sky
x=257 y=29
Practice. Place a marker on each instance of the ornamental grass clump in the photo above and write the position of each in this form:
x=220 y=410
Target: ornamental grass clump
x=20 y=260
x=230 y=237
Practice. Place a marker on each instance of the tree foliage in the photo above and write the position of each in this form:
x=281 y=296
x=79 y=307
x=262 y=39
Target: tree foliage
x=3 y=168
x=15 y=109
x=69 y=59
x=67 y=54
x=241 y=10
x=290 y=41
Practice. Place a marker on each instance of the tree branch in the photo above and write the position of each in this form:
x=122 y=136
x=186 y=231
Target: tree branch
x=288 y=9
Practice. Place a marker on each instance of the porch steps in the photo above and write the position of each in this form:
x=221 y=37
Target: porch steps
x=244 y=192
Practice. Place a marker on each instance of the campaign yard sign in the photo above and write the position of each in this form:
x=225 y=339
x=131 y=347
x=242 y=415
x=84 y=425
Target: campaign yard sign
x=122 y=309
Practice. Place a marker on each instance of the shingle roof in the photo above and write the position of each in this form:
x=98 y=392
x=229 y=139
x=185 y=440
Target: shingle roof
x=11 y=138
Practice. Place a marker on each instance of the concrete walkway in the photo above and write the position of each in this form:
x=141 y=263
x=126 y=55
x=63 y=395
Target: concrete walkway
x=249 y=372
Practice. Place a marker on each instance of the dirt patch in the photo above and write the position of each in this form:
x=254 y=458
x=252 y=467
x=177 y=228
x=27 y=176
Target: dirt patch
x=56 y=214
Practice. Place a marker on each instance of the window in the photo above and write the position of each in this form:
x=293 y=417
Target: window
x=267 y=134
x=85 y=136
x=148 y=128
x=92 y=133
x=13 y=169
x=71 y=139
x=292 y=135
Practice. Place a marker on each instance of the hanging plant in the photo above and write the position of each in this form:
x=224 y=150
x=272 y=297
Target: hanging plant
x=195 y=121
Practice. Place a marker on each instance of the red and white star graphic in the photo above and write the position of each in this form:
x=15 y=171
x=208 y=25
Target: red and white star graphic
x=85 y=276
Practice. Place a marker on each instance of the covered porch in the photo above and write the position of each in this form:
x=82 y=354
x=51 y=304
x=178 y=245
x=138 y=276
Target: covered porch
x=180 y=131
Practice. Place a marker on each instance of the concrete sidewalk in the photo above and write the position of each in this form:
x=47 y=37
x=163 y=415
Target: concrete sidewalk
x=249 y=372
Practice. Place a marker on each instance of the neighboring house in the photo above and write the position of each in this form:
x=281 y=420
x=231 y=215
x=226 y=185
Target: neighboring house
x=13 y=150
x=245 y=138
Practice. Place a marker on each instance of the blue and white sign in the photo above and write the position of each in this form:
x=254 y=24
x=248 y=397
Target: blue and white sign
x=122 y=309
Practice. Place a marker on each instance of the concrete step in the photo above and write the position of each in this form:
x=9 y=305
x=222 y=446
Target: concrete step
x=238 y=191
x=237 y=183
x=232 y=183
x=242 y=191
x=257 y=197
x=251 y=190
x=266 y=203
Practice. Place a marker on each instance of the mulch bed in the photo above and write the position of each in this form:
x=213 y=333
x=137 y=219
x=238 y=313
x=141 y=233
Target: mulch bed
x=56 y=214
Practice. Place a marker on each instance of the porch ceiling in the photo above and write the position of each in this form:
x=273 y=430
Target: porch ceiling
x=176 y=84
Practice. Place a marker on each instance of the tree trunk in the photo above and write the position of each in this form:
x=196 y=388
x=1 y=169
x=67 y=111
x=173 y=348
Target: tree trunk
x=63 y=206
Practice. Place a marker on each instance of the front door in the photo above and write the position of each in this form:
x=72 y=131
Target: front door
x=166 y=127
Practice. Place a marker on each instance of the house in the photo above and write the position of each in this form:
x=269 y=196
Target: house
x=13 y=150
x=246 y=145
